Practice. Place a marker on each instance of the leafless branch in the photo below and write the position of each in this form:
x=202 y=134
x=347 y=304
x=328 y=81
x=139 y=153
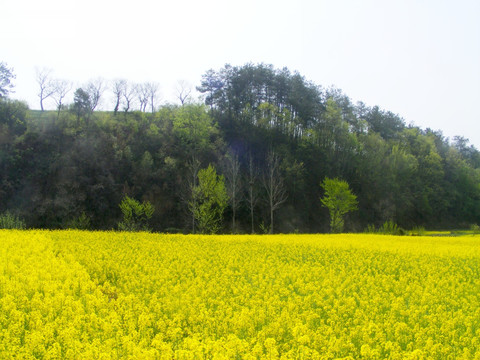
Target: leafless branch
x=118 y=88
x=232 y=177
x=45 y=83
x=252 y=193
x=142 y=95
x=152 y=89
x=128 y=94
x=95 y=89
x=61 y=89
x=274 y=186
x=183 y=91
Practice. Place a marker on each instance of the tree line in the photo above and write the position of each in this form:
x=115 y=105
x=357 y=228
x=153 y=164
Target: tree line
x=122 y=94
x=271 y=137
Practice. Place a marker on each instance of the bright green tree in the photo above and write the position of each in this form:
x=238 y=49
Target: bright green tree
x=339 y=200
x=135 y=214
x=11 y=221
x=194 y=127
x=209 y=200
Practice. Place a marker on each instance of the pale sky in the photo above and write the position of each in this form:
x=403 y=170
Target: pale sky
x=417 y=58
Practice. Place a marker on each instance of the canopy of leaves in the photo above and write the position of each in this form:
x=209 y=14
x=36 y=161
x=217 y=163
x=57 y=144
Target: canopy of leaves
x=6 y=77
x=339 y=200
x=209 y=200
x=60 y=167
x=135 y=215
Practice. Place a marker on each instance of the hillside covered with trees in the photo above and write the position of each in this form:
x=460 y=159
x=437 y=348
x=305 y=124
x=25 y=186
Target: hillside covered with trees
x=270 y=136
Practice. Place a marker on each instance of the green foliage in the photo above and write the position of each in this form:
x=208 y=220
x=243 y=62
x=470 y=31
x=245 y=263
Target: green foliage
x=6 y=77
x=135 y=215
x=417 y=231
x=13 y=114
x=209 y=200
x=339 y=200
x=11 y=221
x=194 y=127
x=81 y=103
x=54 y=163
x=391 y=228
x=475 y=229
x=81 y=223
x=265 y=229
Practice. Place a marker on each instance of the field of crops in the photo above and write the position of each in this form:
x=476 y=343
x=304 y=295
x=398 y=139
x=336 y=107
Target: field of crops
x=101 y=295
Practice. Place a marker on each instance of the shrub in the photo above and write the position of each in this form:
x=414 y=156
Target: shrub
x=391 y=228
x=475 y=229
x=135 y=215
x=417 y=231
x=81 y=223
x=265 y=229
x=11 y=221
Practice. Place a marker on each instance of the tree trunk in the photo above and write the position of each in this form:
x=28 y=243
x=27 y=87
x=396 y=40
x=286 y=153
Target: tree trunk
x=271 y=219
x=251 y=217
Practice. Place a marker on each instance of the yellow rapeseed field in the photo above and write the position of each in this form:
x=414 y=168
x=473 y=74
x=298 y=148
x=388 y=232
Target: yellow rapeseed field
x=106 y=295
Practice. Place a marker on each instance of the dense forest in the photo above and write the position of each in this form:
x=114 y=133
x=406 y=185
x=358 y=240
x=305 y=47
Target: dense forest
x=273 y=136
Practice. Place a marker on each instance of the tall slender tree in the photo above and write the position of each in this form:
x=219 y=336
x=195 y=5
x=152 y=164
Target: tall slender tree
x=118 y=88
x=153 y=93
x=191 y=199
x=142 y=96
x=128 y=95
x=252 y=177
x=233 y=181
x=274 y=185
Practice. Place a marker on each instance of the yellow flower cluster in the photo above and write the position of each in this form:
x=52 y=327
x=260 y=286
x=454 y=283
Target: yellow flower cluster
x=105 y=295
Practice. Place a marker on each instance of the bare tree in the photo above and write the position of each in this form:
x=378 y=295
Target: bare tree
x=274 y=186
x=118 y=88
x=183 y=91
x=62 y=88
x=142 y=95
x=193 y=168
x=153 y=94
x=45 y=83
x=232 y=177
x=95 y=89
x=252 y=194
x=128 y=95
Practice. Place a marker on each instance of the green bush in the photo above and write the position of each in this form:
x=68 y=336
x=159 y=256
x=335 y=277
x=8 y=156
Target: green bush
x=391 y=228
x=265 y=229
x=417 y=231
x=82 y=222
x=135 y=215
x=475 y=229
x=11 y=221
